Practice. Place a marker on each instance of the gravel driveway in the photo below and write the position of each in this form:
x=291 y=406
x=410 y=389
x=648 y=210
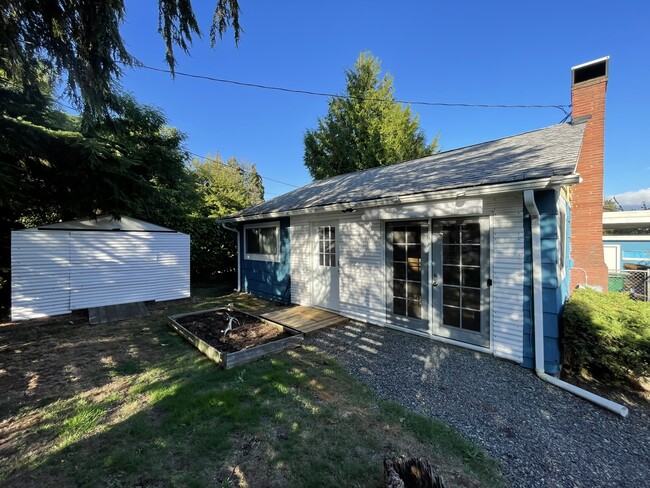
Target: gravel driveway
x=543 y=435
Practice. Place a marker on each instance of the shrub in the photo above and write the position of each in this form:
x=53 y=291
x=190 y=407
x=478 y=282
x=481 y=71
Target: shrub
x=606 y=335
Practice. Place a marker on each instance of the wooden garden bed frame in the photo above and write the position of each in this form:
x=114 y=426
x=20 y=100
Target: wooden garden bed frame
x=231 y=359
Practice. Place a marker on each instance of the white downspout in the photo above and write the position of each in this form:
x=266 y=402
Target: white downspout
x=232 y=229
x=538 y=315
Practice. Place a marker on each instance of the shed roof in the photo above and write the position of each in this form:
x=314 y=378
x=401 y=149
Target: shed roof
x=542 y=153
x=107 y=223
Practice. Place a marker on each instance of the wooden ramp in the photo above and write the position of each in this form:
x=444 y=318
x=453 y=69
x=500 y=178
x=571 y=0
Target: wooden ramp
x=113 y=313
x=305 y=319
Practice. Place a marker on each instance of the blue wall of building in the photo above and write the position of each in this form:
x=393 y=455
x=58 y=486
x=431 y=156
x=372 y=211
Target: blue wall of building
x=633 y=252
x=554 y=291
x=268 y=279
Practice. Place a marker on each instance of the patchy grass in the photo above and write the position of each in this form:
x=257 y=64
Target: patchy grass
x=132 y=404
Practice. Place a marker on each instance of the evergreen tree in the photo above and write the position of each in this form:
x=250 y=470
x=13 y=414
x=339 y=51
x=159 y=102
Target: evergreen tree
x=365 y=128
x=81 y=41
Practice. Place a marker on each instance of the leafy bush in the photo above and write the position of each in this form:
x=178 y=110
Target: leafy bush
x=213 y=250
x=606 y=335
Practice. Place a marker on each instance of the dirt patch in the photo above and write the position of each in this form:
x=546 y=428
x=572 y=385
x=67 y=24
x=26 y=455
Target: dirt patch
x=247 y=331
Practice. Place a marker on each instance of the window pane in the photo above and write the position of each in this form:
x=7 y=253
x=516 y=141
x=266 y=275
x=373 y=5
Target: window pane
x=326 y=232
x=451 y=254
x=471 y=298
x=472 y=277
x=451 y=234
x=413 y=235
x=472 y=320
x=414 y=291
x=252 y=241
x=399 y=288
x=399 y=271
x=399 y=306
x=471 y=255
x=451 y=275
x=268 y=239
x=451 y=295
x=415 y=309
x=413 y=270
x=332 y=233
x=399 y=236
x=471 y=233
x=321 y=259
x=451 y=316
x=413 y=251
x=399 y=252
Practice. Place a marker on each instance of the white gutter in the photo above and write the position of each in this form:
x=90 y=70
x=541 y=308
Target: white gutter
x=538 y=317
x=232 y=229
x=479 y=190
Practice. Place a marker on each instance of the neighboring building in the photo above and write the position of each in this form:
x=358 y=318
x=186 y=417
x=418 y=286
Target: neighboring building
x=626 y=242
x=453 y=246
x=81 y=264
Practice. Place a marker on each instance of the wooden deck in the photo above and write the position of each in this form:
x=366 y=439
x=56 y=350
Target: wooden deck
x=304 y=319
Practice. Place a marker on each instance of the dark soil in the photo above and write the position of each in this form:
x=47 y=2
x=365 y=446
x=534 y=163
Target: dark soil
x=249 y=332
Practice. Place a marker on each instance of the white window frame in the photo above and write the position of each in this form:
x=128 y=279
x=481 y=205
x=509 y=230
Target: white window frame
x=275 y=258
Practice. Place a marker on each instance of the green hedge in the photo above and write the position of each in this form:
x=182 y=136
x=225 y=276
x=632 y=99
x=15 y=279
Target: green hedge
x=213 y=250
x=606 y=335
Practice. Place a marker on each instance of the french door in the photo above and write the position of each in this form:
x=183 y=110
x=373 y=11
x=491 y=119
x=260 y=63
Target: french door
x=407 y=259
x=438 y=278
x=460 y=280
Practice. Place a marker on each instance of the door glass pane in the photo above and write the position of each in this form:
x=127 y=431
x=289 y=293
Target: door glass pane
x=472 y=320
x=451 y=275
x=399 y=253
x=471 y=255
x=462 y=277
x=407 y=270
x=399 y=306
x=399 y=288
x=451 y=254
x=471 y=298
x=472 y=277
x=327 y=246
x=451 y=316
x=451 y=295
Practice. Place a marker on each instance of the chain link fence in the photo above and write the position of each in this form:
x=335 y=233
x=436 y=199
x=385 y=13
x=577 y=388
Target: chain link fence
x=636 y=283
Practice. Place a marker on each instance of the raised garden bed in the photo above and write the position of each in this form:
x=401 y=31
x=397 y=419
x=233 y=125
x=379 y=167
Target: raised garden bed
x=250 y=337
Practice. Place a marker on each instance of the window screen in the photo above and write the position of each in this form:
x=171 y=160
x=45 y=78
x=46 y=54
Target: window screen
x=262 y=240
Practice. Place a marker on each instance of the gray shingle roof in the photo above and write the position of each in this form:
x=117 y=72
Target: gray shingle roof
x=539 y=154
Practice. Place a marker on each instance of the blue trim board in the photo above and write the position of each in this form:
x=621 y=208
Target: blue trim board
x=553 y=294
x=268 y=279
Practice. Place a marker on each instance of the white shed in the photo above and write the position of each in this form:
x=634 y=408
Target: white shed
x=81 y=264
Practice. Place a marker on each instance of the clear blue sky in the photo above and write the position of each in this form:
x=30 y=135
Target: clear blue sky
x=497 y=52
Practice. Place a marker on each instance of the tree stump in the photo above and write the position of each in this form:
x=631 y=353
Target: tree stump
x=410 y=473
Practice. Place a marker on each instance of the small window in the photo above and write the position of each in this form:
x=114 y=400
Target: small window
x=262 y=242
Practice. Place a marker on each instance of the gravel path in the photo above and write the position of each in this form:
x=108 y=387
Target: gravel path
x=543 y=435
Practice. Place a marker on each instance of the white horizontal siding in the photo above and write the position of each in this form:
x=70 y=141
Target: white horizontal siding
x=507 y=253
x=362 y=279
x=54 y=272
x=361 y=284
x=299 y=232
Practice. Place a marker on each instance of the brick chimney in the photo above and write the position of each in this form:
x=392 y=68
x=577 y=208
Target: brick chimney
x=588 y=87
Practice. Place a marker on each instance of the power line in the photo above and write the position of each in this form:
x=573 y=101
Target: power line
x=333 y=95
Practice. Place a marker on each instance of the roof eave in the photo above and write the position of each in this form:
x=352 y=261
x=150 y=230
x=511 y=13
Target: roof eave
x=536 y=184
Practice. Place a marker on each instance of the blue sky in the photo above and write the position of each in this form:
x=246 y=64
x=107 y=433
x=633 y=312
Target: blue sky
x=470 y=52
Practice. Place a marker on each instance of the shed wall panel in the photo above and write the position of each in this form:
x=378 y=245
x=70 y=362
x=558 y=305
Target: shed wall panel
x=55 y=272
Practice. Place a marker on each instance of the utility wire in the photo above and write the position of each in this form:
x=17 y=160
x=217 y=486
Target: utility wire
x=58 y=102
x=332 y=95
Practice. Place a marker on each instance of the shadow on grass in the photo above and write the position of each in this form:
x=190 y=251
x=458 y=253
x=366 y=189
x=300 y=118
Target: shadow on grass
x=296 y=419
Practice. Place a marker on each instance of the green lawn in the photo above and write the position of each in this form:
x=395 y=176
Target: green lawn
x=133 y=404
